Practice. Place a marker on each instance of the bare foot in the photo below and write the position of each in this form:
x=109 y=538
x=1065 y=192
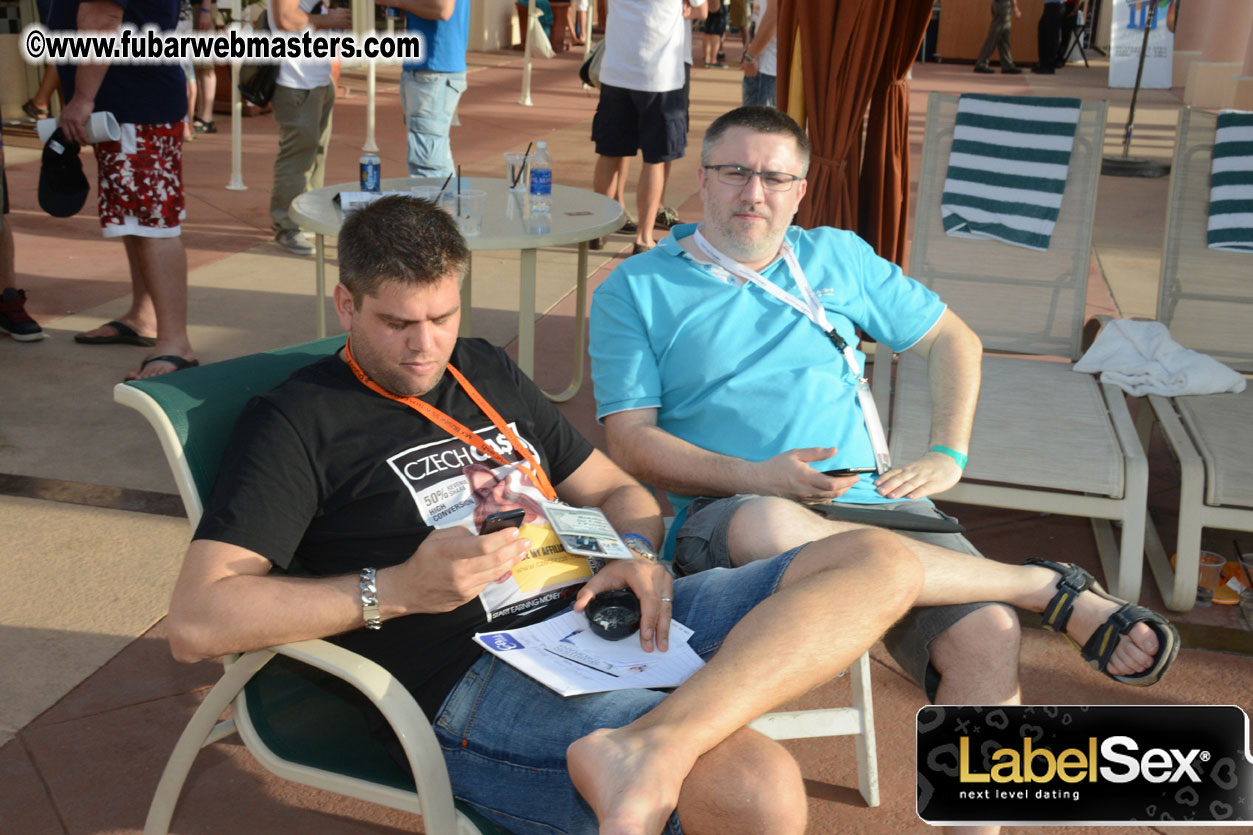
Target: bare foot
x=630 y=779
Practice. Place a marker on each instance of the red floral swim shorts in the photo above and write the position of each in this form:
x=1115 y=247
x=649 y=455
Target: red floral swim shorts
x=141 y=181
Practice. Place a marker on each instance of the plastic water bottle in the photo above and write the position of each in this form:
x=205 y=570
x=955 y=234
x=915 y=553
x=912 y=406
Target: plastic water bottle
x=541 y=180
x=371 y=173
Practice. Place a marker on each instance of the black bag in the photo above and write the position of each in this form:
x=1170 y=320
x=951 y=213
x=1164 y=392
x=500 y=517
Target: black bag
x=589 y=71
x=257 y=81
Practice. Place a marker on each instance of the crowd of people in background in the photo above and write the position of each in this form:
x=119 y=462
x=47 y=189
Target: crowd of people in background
x=642 y=109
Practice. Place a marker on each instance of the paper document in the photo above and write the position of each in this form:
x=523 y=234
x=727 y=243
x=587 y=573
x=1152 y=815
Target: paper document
x=563 y=654
x=350 y=201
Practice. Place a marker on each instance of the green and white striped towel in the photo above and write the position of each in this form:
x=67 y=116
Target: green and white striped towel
x=1007 y=170
x=1231 y=183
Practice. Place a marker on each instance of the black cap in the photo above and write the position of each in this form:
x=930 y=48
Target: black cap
x=63 y=187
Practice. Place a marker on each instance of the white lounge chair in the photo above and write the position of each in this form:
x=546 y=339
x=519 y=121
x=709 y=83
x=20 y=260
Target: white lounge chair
x=1206 y=299
x=1045 y=438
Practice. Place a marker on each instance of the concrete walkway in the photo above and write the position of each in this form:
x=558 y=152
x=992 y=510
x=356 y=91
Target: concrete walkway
x=91 y=702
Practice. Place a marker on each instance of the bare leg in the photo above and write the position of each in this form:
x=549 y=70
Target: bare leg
x=609 y=177
x=188 y=132
x=207 y=78
x=835 y=600
x=8 y=269
x=159 y=267
x=648 y=200
x=768 y=526
x=49 y=84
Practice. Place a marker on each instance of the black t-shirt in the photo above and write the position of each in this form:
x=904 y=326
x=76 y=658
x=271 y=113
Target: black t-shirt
x=142 y=94
x=325 y=477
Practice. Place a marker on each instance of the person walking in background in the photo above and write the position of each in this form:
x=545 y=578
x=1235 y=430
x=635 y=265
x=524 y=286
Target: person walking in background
x=14 y=320
x=140 y=176
x=642 y=107
x=760 y=56
x=715 y=27
x=430 y=89
x=1048 y=36
x=206 y=74
x=303 y=100
x=1003 y=14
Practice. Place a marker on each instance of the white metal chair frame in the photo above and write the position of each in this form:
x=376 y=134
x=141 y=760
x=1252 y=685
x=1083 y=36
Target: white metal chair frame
x=1205 y=315
x=1036 y=312
x=432 y=799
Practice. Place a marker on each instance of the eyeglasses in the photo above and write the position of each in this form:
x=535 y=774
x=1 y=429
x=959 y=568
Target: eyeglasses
x=738 y=175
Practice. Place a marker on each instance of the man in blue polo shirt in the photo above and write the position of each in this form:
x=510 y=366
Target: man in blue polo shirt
x=726 y=374
x=431 y=88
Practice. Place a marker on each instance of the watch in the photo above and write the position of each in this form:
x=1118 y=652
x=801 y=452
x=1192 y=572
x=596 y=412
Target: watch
x=370 y=600
x=639 y=546
x=749 y=59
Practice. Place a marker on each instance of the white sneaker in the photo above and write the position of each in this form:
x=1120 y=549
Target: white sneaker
x=294 y=241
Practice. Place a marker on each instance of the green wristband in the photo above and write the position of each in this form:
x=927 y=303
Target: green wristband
x=959 y=457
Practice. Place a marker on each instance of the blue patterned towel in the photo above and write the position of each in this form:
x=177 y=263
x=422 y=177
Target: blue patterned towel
x=1007 y=170
x=1231 y=183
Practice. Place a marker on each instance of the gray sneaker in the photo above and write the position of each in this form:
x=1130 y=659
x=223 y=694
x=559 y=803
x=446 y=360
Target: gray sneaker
x=293 y=240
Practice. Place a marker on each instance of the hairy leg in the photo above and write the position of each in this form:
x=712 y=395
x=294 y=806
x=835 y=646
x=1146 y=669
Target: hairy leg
x=768 y=526
x=648 y=199
x=827 y=611
x=159 y=265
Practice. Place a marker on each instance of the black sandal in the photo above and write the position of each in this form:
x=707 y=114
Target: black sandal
x=1104 y=640
x=201 y=126
x=28 y=107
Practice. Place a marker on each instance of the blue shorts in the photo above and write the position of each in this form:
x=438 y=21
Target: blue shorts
x=504 y=735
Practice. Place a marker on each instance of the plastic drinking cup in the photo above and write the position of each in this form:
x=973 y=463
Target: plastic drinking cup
x=1207 y=579
x=516 y=165
x=466 y=206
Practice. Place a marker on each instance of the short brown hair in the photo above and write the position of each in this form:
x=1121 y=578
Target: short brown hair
x=399 y=238
x=763 y=120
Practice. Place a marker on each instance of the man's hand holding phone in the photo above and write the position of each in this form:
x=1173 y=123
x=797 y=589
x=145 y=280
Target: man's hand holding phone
x=452 y=566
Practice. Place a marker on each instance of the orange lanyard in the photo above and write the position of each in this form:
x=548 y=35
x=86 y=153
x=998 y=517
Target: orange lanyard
x=459 y=430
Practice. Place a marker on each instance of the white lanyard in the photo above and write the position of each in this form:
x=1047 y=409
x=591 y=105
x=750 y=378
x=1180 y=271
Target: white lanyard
x=812 y=310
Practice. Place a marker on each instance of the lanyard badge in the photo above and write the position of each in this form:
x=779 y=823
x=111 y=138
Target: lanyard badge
x=812 y=310
x=459 y=430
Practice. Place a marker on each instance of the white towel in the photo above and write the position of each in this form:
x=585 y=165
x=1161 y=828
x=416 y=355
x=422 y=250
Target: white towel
x=1007 y=169
x=1231 y=183
x=1141 y=358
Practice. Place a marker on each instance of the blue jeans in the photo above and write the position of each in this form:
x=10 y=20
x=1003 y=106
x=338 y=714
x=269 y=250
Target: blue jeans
x=758 y=89
x=429 y=100
x=504 y=735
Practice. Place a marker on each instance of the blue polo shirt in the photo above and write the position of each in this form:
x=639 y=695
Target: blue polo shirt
x=735 y=371
x=445 y=40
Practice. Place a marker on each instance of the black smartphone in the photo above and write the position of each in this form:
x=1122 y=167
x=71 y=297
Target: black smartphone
x=500 y=521
x=849 y=471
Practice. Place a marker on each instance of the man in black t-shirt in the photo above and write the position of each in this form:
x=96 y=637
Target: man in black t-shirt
x=366 y=470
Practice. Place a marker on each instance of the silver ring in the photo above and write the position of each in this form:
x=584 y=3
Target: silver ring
x=667 y=600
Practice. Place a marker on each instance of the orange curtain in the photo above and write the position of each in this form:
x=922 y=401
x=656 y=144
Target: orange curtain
x=884 y=211
x=841 y=55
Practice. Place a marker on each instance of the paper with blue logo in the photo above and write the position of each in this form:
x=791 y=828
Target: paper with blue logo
x=562 y=654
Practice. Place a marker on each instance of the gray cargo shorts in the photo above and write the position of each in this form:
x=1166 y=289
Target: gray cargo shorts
x=701 y=543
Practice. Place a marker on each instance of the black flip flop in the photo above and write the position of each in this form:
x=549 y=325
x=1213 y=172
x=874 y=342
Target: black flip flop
x=126 y=335
x=179 y=363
